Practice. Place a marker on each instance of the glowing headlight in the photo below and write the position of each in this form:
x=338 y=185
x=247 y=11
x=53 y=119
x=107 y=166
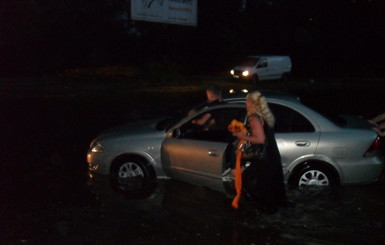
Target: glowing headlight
x=232 y=72
x=96 y=147
x=245 y=73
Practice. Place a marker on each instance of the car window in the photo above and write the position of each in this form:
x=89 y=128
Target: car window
x=217 y=132
x=288 y=120
x=262 y=63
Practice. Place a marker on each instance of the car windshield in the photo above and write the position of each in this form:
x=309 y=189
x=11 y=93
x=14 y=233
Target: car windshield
x=250 y=61
x=167 y=123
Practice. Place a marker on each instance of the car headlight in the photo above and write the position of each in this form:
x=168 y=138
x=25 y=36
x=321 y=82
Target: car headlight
x=232 y=72
x=96 y=147
x=245 y=73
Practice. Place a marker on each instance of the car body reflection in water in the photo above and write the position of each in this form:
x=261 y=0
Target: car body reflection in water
x=316 y=213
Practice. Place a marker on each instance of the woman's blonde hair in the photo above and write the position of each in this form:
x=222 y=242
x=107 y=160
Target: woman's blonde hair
x=260 y=107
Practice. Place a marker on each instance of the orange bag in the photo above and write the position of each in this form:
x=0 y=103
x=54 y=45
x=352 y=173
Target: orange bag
x=235 y=127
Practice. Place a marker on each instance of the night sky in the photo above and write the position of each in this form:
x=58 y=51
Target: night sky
x=323 y=37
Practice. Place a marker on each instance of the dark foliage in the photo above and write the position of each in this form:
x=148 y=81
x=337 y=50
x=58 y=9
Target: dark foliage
x=328 y=37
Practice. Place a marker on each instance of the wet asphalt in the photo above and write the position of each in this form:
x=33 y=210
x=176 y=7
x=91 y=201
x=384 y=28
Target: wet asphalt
x=48 y=198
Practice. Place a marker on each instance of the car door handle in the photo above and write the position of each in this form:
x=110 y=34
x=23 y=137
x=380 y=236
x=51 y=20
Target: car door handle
x=213 y=153
x=302 y=143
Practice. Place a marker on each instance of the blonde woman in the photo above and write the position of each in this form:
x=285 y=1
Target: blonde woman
x=263 y=180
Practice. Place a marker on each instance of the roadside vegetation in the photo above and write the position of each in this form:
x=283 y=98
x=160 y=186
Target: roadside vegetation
x=166 y=77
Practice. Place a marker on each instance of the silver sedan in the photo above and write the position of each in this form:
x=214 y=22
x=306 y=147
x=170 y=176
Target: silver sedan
x=316 y=150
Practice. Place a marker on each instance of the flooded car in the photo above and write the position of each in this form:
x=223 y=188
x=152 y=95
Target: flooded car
x=316 y=149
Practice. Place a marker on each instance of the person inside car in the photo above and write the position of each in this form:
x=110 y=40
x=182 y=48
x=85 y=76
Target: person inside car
x=214 y=97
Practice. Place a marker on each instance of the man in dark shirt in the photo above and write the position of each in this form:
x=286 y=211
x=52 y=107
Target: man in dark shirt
x=214 y=96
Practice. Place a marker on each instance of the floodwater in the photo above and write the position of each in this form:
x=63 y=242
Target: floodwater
x=46 y=196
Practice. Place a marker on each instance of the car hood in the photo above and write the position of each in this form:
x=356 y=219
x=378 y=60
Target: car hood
x=140 y=128
x=240 y=67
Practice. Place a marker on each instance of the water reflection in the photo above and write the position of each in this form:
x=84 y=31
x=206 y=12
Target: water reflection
x=319 y=215
x=46 y=199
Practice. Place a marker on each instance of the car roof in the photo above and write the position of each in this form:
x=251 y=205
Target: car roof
x=240 y=97
x=260 y=56
x=269 y=94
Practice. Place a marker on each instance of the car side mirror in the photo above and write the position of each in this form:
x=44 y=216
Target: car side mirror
x=176 y=133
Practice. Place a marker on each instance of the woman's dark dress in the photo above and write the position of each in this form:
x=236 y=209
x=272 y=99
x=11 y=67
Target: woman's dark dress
x=263 y=180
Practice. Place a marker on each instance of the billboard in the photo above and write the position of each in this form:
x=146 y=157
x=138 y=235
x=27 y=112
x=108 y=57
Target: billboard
x=181 y=12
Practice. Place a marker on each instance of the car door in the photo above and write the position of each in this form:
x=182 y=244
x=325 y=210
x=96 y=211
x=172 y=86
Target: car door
x=296 y=136
x=263 y=69
x=196 y=155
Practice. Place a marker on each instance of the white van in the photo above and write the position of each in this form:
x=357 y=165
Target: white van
x=261 y=68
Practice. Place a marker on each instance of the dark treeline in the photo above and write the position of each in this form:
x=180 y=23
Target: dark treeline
x=322 y=36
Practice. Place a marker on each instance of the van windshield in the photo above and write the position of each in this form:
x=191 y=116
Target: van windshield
x=249 y=61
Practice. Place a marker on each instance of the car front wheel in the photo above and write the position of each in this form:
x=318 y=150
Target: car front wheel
x=255 y=79
x=131 y=176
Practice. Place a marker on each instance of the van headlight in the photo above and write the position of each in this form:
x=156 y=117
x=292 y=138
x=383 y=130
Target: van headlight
x=232 y=72
x=245 y=73
x=96 y=147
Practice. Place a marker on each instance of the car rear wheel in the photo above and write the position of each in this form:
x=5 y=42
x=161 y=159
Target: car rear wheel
x=131 y=176
x=255 y=79
x=314 y=175
x=285 y=77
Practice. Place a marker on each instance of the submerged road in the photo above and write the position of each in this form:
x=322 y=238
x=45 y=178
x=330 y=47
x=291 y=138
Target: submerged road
x=46 y=198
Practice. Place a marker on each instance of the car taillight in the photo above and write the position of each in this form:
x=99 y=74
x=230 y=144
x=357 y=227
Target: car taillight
x=374 y=149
